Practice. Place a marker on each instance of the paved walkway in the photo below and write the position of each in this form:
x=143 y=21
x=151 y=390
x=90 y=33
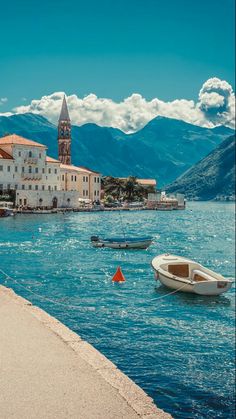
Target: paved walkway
x=47 y=371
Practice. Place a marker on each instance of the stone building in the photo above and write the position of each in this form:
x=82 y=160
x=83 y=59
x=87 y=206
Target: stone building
x=40 y=180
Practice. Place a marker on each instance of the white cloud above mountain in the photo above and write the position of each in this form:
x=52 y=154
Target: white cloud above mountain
x=215 y=106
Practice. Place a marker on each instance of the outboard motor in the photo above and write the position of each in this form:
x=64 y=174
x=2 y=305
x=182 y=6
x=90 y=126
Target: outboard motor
x=94 y=238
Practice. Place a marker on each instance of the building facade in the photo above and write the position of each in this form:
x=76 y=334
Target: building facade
x=40 y=181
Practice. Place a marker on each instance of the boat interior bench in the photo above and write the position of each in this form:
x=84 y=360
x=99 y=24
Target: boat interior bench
x=181 y=270
x=198 y=276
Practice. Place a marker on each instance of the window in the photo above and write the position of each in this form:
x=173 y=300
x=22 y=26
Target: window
x=43 y=187
x=40 y=155
x=30 y=187
x=23 y=169
x=55 y=171
x=63 y=177
x=49 y=170
x=16 y=168
x=23 y=187
x=83 y=178
x=19 y=154
x=30 y=153
x=49 y=187
x=95 y=180
x=43 y=170
x=30 y=169
x=1 y=168
x=98 y=180
x=36 y=170
x=86 y=178
x=55 y=188
x=25 y=201
x=95 y=193
x=1 y=186
x=8 y=168
x=8 y=186
x=16 y=186
x=36 y=187
x=86 y=193
x=20 y=201
x=83 y=192
x=72 y=178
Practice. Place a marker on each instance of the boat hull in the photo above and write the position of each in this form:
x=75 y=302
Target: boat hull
x=123 y=245
x=203 y=288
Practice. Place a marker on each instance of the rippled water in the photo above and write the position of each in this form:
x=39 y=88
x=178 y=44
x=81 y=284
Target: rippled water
x=179 y=349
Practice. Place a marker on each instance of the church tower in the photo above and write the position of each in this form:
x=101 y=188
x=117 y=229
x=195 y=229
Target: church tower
x=64 y=134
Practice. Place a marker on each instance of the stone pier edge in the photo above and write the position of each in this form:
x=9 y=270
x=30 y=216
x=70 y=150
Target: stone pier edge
x=135 y=397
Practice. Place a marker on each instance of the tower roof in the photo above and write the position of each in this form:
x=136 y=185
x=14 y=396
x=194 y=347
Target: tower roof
x=64 y=115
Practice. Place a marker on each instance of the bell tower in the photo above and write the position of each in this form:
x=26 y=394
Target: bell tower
x=64 y=134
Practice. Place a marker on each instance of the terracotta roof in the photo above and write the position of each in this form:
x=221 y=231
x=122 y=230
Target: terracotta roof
x=78 y=169
x=4 y=155
x=145 y=182
x=17 y=139
x=151 y=182
x=51 y=160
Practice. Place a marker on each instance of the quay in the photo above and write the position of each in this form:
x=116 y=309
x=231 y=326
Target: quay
x=49 y=372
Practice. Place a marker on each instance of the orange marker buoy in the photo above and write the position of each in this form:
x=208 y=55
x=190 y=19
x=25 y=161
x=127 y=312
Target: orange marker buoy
x=118 y=277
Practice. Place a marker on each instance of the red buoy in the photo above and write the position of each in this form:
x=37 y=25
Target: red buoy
x=118 y=277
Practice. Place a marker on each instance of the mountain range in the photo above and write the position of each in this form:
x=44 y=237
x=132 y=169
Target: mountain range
x=212 y=177
x=164 y=149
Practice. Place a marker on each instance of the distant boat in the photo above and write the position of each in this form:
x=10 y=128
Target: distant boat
x=179 y=273
x=6 y=209
x=122 y=243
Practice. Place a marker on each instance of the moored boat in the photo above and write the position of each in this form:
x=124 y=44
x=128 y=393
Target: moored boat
x=6 y=209
x=122 y=243
x=182 y=274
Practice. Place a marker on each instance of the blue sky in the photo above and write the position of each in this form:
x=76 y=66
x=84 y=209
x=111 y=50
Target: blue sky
x=158 y=48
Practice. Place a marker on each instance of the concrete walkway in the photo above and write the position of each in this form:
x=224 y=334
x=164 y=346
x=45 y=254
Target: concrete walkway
x=47 y=371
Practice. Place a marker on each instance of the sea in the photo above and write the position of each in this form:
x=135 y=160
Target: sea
x=178 y=347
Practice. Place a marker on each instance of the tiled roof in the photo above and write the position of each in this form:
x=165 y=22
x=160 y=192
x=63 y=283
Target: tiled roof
x=4 y=155
x=145 y=182
x=78 y=169
x=51 y=160
x=151 y=182
x=17 y=139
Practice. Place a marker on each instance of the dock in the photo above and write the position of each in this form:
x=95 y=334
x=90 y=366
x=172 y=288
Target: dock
x=49 y=372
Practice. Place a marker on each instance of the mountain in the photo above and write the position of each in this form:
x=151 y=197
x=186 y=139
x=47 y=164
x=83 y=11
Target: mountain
x=163 y=149
x=213 y=176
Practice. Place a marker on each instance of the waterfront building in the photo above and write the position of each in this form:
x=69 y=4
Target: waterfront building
x=42 y=181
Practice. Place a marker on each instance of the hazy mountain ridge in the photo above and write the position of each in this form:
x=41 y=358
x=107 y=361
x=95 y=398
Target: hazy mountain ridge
x=163 y=149
x=212 y=177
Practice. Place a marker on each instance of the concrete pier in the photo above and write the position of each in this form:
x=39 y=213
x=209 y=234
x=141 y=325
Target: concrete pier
x=48 y=372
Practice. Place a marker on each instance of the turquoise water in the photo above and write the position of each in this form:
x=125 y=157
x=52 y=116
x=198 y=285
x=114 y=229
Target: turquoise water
x=180 y=348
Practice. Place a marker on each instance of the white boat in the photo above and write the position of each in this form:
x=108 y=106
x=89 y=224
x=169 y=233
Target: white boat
x=179 y=273
x=6 y=209
x=122 y=243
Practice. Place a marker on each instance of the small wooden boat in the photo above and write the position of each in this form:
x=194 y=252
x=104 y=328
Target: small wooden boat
x=179 y=273
x=122 y=243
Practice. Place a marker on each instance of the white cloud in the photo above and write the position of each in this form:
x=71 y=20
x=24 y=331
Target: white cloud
x=214 y=107
x=3 y=100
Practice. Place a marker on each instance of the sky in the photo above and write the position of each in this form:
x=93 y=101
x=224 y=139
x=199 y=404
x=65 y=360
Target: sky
x=165 y=49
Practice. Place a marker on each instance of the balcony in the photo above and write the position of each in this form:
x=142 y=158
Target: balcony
x=31 y=176
x=31 y=160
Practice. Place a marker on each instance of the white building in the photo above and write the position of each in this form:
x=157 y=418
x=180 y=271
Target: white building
x=41 y=181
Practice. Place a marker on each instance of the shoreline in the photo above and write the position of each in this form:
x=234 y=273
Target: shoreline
x=124 y=393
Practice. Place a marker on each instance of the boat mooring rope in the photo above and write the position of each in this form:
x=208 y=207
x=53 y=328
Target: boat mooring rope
x=42 y=297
